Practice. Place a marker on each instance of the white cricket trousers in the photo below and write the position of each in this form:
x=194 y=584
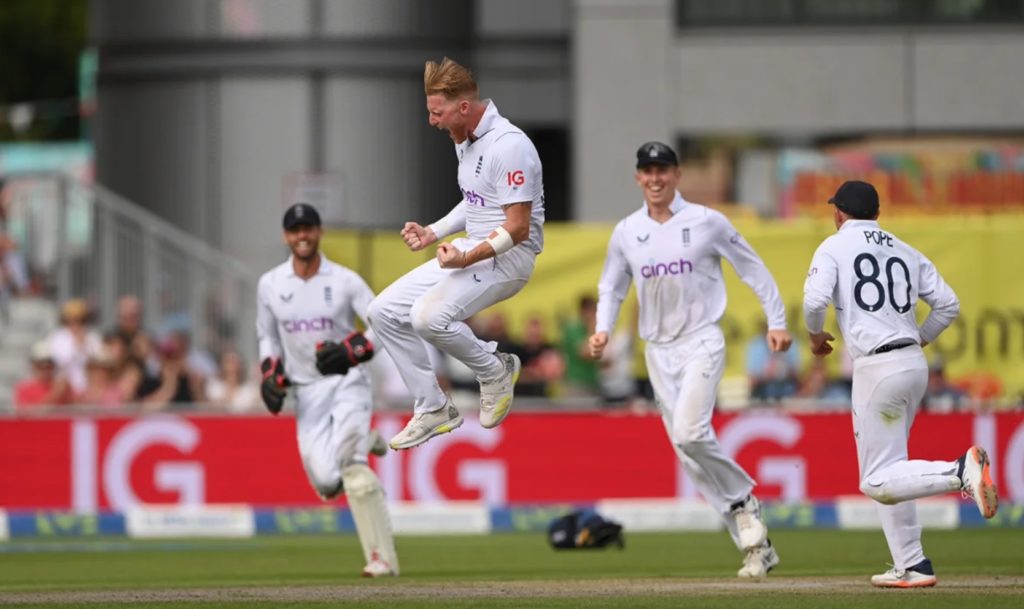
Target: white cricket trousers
x=887 y=389
x=685 y=375
x=332 y=419
x=432 y=303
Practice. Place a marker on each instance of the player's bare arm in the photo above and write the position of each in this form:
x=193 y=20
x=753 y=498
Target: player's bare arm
x=516 y=227
x=820 y=343
x=597 y=342
x=779 y=340
x=417 y=237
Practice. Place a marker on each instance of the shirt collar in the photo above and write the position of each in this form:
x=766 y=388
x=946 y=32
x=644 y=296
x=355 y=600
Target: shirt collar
x=325 y=269
x=487 y=121
x=675 y=206
x=858 y=224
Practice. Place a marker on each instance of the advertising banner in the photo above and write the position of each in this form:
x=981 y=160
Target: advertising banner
x=116 y=464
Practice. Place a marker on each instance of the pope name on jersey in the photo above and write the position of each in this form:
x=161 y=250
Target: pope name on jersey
x=875 y=279
x=295 y=314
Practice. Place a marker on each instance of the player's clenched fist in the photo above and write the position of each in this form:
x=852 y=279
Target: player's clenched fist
x=597 y=343
x=450 y=257
x=417 y=237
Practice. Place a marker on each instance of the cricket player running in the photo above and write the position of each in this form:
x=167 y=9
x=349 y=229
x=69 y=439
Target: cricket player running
x=305 y=322
x=502 y=212
x=874 y=281
x=672 y=249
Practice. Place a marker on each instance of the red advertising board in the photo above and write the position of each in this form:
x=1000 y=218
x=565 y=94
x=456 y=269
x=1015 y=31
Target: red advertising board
x=114 y=463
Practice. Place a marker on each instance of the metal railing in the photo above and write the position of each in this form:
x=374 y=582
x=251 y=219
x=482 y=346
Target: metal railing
x=85 y=241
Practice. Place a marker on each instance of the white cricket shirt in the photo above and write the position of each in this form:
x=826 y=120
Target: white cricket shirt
x=874 y=280
x=294 y=314
x=677 y=268
x=499 y=167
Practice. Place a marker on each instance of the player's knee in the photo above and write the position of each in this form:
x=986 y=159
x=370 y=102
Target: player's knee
x=360 y=480
x=323 y=476
x=876 y=490
x=376 y=312
x=427 y=321
x=691 y=437
x=693 y=450
x=326 y=485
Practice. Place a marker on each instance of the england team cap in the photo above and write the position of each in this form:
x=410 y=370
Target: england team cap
x=655 y=153
x=859 y=199
x=300 y=213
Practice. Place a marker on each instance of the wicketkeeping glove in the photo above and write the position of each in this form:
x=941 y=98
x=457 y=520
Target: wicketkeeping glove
x=337 y=358
x=275 y=384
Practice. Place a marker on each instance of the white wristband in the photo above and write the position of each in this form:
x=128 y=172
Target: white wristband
x=501 y=242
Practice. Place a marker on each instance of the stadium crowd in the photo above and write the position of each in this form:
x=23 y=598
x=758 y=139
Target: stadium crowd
x=129 y=366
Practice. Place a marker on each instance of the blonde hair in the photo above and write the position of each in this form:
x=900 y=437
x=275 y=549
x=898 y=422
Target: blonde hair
x=450 y=79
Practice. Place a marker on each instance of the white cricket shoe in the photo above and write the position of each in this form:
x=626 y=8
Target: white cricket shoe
x=378 y=446
x=751 y=528
x=378 y=568
x=976 y=481
x=920 y=575
x=496 y=396
x=425 y=425
x=759 y=561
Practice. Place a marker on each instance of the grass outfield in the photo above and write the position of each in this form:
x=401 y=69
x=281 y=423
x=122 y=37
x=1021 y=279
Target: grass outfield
x=976 y=567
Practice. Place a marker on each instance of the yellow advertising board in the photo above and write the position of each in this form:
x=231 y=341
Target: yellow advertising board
x=977 y=255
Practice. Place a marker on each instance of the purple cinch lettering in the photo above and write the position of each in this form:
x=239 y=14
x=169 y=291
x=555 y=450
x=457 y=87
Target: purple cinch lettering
x=317 y=324
x=657 y=269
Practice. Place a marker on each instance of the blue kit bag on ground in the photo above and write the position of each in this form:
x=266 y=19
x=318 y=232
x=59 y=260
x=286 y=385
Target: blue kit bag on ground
x=584 y=529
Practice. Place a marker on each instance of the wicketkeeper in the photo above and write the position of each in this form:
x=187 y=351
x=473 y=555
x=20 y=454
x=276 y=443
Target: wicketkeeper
x=309 y=343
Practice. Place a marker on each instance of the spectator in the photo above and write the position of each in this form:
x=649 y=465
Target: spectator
x=129 y=317
x=495 y=328
x=101 y=387
x=230 y=389
x=542 y=363
x=941 y=395
x=144 y=353
x=822 y=390
x=582 y=373
x=773 y=375
x=128 y=372
x=73 y=343
x=44 y=387
x=178 y=384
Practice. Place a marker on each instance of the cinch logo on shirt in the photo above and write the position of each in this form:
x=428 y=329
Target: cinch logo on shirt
x=317 y=324
x=658 y=269
x=472 y=198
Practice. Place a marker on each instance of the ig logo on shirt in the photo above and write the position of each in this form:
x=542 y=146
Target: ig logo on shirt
x=516 y=178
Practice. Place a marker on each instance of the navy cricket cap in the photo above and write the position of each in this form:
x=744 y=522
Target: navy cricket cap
x=300 y=213
x=856 y=198
x=655 y=153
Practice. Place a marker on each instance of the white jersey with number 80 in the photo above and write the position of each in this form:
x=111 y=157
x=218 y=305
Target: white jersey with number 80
x=875 y=280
